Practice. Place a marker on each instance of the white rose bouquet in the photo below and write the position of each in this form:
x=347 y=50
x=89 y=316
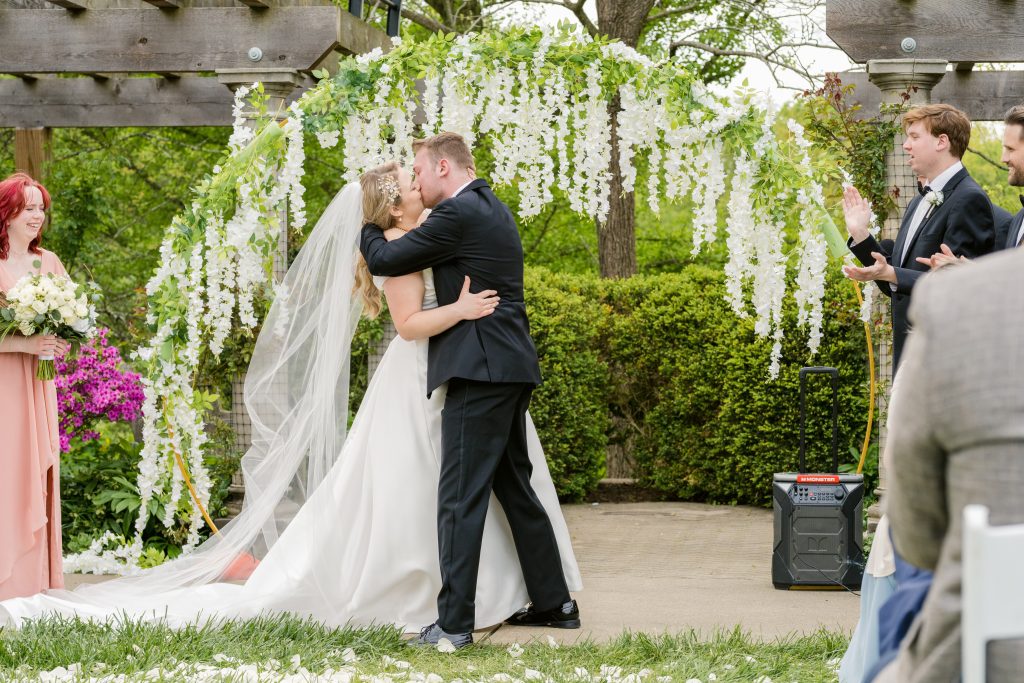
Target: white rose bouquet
x=49 y=304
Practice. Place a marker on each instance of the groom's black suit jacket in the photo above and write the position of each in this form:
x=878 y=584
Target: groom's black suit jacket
x=470 y=234
x=963 y=222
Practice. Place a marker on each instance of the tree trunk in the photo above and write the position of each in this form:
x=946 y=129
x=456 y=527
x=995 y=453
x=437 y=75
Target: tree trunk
x=461 y=16
x=616 y=236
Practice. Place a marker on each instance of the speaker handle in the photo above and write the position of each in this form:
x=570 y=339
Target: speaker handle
x=834 y=373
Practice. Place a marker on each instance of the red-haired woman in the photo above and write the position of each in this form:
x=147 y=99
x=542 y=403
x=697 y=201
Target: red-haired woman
x=30 y=540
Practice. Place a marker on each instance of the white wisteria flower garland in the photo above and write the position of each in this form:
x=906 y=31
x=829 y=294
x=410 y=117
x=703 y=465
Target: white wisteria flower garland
x=546 y=98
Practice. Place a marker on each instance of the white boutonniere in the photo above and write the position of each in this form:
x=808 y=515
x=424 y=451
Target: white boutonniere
x=935 y=198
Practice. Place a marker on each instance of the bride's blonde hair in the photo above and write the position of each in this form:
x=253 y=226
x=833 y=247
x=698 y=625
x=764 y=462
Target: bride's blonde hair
x=381 y=192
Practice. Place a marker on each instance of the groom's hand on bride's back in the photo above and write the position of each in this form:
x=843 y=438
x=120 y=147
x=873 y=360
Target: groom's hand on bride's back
x=475 y=306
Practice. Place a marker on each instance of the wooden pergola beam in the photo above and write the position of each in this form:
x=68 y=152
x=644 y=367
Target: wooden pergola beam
x=975 y=31
x=119 y=101
x=67 y=4
x=164 y=4
x=187 y=40
x=982 y=95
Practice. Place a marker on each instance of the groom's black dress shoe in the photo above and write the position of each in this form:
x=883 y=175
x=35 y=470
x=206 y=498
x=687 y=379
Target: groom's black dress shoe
x=565 y=616
x=431 y=635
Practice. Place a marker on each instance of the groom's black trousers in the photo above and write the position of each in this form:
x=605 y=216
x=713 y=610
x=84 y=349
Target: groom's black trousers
x=484 y=444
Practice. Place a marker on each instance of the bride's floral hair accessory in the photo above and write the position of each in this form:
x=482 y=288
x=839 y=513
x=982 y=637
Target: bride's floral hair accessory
x=389 y=186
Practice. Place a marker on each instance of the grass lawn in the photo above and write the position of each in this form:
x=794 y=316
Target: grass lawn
x=292 y=649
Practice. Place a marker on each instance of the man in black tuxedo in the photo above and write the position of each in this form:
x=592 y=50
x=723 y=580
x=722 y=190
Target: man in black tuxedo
x=490 y=365
x=951 y=209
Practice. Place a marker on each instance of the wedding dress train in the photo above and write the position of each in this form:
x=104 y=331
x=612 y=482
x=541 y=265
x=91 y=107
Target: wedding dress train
x=363 y=547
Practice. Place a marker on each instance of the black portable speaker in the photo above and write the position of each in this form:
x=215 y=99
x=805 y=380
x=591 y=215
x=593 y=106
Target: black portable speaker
x=819 y=531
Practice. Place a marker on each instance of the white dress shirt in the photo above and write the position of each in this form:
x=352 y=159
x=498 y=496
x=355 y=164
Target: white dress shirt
x=923 y=207
x=455 y=194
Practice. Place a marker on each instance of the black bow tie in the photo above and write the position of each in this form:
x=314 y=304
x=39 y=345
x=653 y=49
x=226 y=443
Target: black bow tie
x=925 y=189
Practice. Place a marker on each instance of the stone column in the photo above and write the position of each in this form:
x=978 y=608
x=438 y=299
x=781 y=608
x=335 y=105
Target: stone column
x=278 y=84
x=895 y=78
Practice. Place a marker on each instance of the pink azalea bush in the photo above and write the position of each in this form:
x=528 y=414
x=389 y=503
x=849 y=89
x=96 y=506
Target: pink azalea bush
x=93 y=386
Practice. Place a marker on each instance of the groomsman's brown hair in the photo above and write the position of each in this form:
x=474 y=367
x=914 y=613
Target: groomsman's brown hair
x=1015 y=117
x=943 y=119
x=450 y=146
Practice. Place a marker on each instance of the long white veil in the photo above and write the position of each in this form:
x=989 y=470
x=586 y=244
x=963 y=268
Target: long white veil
x=296 y=393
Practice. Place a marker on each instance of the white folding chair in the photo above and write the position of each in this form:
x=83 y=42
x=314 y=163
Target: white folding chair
x=992 y=604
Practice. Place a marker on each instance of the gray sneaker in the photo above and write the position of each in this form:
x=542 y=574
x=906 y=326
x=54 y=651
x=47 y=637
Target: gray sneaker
x=431 y=635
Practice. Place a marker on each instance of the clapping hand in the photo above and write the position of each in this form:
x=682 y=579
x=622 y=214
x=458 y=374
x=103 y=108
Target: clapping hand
x=945 y=257
x=474 y=306
x=881 y=270
x=857 y=212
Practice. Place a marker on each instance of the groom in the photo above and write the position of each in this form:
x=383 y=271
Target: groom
x=491 y=368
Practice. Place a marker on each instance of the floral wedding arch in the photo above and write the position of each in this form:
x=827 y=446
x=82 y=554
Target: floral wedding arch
x=542 y=96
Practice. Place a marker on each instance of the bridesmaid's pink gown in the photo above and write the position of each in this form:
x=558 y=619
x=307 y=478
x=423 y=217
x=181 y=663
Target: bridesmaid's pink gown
x=30 y=541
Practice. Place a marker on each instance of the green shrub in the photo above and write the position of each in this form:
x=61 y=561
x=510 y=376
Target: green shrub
x=99 y=491
x=681 y=382
x=570 y=407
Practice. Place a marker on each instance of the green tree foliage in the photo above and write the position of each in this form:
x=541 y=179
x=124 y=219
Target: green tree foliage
x=983 y=162
x=114 y=192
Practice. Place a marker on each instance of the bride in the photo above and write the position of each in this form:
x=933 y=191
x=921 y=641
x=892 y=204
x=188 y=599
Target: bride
x=343 y=519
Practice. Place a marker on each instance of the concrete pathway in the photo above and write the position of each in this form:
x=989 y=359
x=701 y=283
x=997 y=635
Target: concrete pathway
x=670 y=567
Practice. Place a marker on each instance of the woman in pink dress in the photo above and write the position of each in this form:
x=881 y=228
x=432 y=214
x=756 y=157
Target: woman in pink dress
x=30 y=539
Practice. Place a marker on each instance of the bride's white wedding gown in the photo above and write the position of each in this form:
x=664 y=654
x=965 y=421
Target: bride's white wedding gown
x=363 y=548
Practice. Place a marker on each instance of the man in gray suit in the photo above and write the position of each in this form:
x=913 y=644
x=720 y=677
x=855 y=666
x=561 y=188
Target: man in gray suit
x=957 y=429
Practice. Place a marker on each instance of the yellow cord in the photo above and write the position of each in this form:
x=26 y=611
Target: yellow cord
x=188 y=479
x=871 y=385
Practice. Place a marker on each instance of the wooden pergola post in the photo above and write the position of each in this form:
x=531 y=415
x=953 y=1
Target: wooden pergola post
x=32 y=151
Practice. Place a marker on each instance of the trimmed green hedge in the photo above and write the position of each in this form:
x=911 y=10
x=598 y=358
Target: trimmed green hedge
x=662 y=365
x=570 y=408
